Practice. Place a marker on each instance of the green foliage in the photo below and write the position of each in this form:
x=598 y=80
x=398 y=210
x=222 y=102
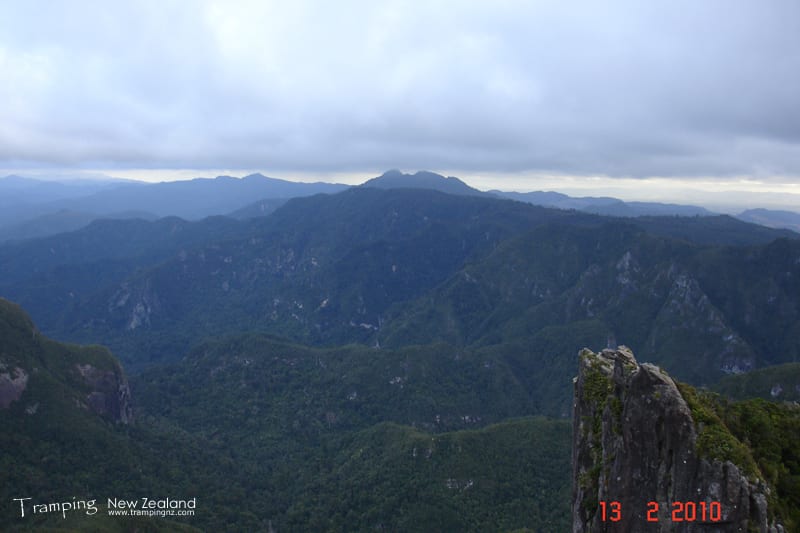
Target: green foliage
x=714 y=439
x=260 y=383
x=761 y=437
x=312 y=424
x=503 y=477
x=263 y=433
x=772 y=432
x=597 y=386
x=757 y=292
x=59 y=449
x=677 y=299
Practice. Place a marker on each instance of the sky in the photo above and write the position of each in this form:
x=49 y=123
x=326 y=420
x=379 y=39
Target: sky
x=652 y=96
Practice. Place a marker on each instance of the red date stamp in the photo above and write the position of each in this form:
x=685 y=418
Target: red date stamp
x=681 y=511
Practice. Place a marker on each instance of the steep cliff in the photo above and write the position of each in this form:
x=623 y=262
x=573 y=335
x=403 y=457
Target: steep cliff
x=44 y=378
x=649 y=456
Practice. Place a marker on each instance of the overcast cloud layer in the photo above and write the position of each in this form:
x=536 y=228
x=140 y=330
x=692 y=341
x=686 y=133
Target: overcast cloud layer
x=623 y=89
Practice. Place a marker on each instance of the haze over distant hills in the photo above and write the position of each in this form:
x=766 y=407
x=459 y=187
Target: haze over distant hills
x=604 y=205
x=22 y=198
x=772 y=218
x=34 y=208
x=198 y=198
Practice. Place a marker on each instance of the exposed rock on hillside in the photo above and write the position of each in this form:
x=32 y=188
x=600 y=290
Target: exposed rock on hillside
x=12 y=384
x=643 y=462
x=110 y=395
x=36 y=371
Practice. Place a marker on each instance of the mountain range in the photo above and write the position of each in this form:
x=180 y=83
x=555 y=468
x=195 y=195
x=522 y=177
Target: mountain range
x=398 y=267
x=37 y=208
x=375 y=357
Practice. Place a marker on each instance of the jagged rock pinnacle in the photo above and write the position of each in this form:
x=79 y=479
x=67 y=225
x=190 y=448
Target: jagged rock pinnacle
x=636 y=466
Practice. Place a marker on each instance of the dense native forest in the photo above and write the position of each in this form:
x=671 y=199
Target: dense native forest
x=373 y=358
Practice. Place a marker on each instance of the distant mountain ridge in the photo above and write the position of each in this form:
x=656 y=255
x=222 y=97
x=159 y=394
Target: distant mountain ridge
x=556 y=199
x=197 y=198
x=24 y=198
x=60 y=222
x=772 y=218
x=604 y=205
x=607 y=206
x=36 y=208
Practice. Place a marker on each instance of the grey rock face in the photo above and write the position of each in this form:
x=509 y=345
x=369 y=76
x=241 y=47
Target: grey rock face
x=110 y=395
x=12 y=384
x=634 y=443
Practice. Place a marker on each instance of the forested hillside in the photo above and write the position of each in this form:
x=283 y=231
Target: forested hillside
x=261 y=434
x=377 y=358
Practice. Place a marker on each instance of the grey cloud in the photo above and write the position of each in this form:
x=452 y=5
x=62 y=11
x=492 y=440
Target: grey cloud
x=630 y=88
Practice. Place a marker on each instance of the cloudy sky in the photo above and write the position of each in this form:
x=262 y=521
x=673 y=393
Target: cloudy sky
x=505 y=92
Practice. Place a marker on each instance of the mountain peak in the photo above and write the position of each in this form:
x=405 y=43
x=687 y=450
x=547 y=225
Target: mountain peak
x=423 y=179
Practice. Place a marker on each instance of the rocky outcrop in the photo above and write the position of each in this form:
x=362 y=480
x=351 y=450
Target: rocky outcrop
x=110 y=395
x=636 y=465
x=39 y=372
x=12 y=384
